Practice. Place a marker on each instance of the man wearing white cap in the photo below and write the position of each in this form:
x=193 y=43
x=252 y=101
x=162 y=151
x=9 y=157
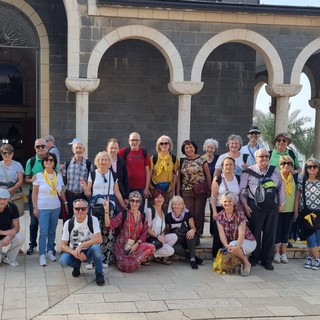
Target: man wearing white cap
x=9 y=229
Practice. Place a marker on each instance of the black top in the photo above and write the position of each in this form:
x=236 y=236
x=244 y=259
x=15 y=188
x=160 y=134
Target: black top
x=9 y=214
x=122 y=176
x=177 y=224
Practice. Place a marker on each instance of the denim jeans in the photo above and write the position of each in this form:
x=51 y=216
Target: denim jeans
x=34 y=222
x=48 y=221
x=93 y=254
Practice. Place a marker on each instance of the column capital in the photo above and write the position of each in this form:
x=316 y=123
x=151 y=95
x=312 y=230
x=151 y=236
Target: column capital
x=82 y=84
x=283 y=90
x=314 y=103
x=185 y=87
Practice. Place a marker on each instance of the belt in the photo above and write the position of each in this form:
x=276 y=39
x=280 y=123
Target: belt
x=74 y=193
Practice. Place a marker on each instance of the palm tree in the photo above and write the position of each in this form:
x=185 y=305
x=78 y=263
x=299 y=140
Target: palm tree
x=303 y=138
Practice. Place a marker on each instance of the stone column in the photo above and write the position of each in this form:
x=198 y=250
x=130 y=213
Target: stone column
x=315 y=103
x=282 y=93
x=185 y=90
x=82 y=88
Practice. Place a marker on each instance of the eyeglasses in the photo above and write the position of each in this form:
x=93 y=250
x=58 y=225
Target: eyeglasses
x=49 y=160
x=134 y=201
x=263 y=156
x=134 y=140
x=80 y=209
x=41 y=146
x=290 y=164
x=104 y=178
x=312 y=166
x=163 y=143
x=282 y=140
x=6 y=153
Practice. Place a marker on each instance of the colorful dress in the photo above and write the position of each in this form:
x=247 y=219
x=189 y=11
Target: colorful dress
x=131 y=229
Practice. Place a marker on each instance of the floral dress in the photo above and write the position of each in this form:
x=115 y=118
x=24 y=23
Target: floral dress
x=131 y=229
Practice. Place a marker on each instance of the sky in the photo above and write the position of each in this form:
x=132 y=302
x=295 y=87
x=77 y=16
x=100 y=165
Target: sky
x=300 y=101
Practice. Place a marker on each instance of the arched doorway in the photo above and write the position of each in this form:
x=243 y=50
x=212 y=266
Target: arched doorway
x=19 y=61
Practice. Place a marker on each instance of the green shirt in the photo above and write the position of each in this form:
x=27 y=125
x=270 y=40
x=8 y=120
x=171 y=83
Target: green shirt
x=275 y=156
x=37 y=167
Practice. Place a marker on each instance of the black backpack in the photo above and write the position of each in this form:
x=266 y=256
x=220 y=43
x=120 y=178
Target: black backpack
x=155 y=158
x=88 y=166
x=127 y=151
x=266 y=195
x=71 y=224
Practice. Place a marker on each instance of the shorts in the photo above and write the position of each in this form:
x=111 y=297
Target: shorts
x=247 y=246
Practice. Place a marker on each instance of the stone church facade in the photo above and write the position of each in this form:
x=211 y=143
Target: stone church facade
x=96 y=69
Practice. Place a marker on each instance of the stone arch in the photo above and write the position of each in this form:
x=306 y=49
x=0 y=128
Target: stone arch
x=259 y=83
x=44 y=61
x=301 y=60
x=247 y=37
x=150 y=35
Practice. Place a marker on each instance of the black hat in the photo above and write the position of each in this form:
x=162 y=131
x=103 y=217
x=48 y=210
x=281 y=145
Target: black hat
x=254 y=129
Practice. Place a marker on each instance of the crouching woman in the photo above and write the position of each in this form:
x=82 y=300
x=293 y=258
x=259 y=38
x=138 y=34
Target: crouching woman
x=234 y=232
x=131 y=249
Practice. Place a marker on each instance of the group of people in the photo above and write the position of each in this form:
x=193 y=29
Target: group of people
x=114 y=189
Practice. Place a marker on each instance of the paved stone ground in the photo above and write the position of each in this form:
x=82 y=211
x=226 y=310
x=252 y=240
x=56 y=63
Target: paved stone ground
x=157 y=292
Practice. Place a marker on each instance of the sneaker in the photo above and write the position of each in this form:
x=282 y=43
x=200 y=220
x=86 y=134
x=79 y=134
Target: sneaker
x=89 y=266
x=284 y=258
x=51 y=256
x=11 y=264
x=105 y=265
x=308 y=263
x=42 y=260
x=100 y=279
x=193 y=264
x=198 y=260
x=315 y=264
x=276 y=258
x=76 y=272
x=30 y=250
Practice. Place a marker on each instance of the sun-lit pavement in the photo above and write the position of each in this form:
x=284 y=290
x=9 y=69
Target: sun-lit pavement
x=157 y=292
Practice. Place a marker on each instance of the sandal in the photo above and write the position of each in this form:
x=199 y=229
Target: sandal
x=162 y=261
x=146 y=263
x=246 y=271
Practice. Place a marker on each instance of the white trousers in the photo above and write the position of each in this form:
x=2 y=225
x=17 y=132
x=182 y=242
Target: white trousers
x=14 y=247
x=167 y=250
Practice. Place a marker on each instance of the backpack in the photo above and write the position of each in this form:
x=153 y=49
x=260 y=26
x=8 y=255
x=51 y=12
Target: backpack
x=266 y=195
x=71 y=224
x=127 y=151
x=291 y=154
x=32 y=162
x=245 y=157
x=88 y=165
x=124 y=216
x=155 y=158
x=219 y=178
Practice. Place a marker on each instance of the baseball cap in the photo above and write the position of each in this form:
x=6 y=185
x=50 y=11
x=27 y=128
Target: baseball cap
x=75 y=140
x=4 y=194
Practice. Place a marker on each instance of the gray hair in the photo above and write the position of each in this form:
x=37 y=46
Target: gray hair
x=212 y=142
x=234 y=137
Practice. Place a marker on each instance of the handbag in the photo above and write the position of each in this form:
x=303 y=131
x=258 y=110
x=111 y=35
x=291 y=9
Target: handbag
x=97 y=210
x=157 y=243
x=63 y=211
x=128 y=245
x=181 y=232
x=225 y=262
x=18 y=200
x=200 y=188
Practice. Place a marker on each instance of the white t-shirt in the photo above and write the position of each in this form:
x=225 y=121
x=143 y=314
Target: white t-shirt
x=101 y=187
x=239 y=162
x=233 y=186
x=45 y=199
x=157 y=224
x=80 y=232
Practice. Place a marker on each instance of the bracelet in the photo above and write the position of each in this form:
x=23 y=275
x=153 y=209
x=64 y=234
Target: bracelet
x=106 y=212
x=65 y=202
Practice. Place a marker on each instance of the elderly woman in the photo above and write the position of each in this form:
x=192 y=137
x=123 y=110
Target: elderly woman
x=234 y=232
x=281 y=143
x=234 y=145
x=104 y=186
x=307 y=199
x=210 y=148
x=194 y=183
x=131 y=249
x=286 y=216
x=156 y=232
x=47 y=188
x=180 y=222
x=11 y=176
x=163 y=170
x=227 y=181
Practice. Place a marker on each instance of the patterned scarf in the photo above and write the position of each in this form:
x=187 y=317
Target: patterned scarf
x=180 y=218
x=288 y=183
x=52 y=183
x=162 y=160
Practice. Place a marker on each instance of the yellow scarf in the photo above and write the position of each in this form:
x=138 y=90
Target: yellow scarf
x=52 y=183
x=288 y=183
x=162 y=162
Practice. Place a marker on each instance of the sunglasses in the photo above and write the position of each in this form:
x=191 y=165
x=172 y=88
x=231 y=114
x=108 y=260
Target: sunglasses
x=290 y=164
x=312 y=166
x=104 y=178
x=49 y=160
x=263 y=156
x=282 y=140
x=41 y=146
x=80 y=209
x=134 y=201
x=5 y=153
x=163 y=143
